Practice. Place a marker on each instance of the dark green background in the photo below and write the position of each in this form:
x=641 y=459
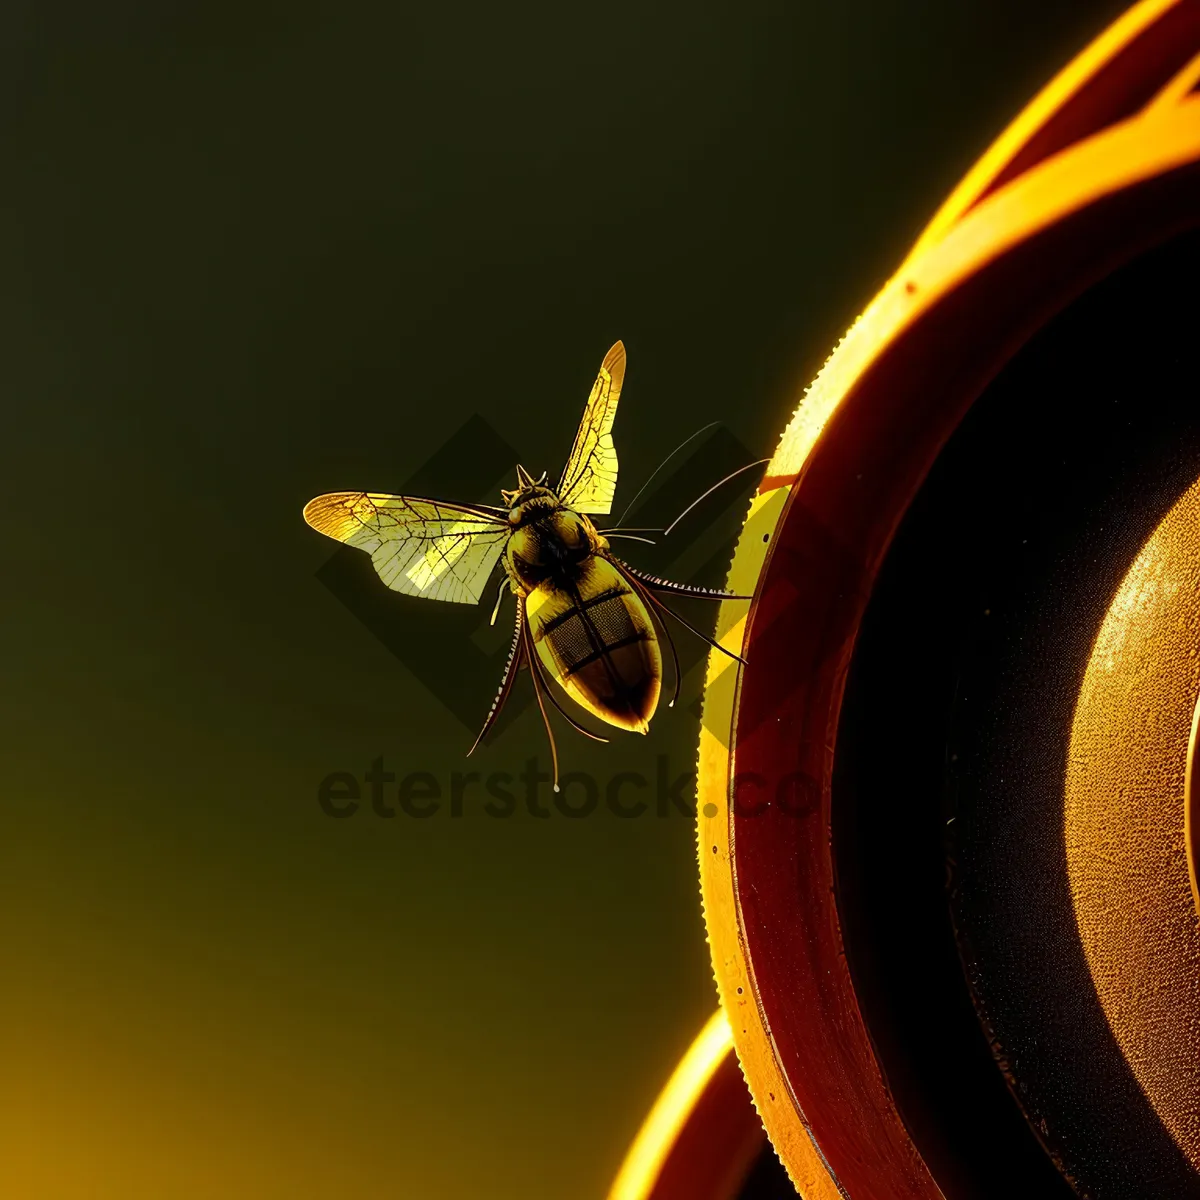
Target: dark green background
x=253 y=252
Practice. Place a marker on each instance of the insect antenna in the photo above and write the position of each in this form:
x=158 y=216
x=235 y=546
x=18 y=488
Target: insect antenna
x=629 y=537
x=627 y=531
x=537 y=691
x=689 y=438
x=515 y=653
x=719 y=483
x=645 y=591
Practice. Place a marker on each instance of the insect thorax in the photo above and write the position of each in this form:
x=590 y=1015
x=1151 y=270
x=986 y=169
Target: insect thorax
x=548 y=542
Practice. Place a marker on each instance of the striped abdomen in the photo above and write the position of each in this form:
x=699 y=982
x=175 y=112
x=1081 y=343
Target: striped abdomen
x=598 y=641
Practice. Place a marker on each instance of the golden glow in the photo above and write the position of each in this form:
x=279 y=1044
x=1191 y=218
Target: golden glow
x=1035 y=114
x=1180 y=88
x=671 y=1110
x=1190 y=800
x=1124 y=820
x=1117 y=157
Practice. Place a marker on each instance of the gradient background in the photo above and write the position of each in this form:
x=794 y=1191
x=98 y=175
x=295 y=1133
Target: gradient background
x=256 y=251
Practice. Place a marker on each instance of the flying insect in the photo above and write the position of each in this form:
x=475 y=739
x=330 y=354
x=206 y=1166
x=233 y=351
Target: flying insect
x=585 y=620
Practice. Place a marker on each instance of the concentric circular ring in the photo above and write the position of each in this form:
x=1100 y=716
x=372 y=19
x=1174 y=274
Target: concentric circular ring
x=1102 y=165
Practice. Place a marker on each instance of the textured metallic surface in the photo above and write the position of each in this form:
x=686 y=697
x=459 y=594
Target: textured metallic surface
x=1124 y=819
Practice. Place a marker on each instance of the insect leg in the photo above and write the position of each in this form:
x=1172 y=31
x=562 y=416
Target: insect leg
x=537 y=691
x=678 y=589
x=662 y=625
x=644 y=591
x=515 y=654
x=535 y=664
x=499 y=598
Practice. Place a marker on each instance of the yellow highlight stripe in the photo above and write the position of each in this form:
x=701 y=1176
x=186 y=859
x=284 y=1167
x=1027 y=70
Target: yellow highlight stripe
x=440 y=556
x=660 y=1130
x=1036 y=113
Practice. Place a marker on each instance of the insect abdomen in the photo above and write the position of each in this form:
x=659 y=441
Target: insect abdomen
x=599 y=644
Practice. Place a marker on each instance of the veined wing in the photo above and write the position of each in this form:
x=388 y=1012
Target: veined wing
x=419 y=547
x=589 y=480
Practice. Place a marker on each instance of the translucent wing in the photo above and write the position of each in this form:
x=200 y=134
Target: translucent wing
x=589 y=479
x=419 y=547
